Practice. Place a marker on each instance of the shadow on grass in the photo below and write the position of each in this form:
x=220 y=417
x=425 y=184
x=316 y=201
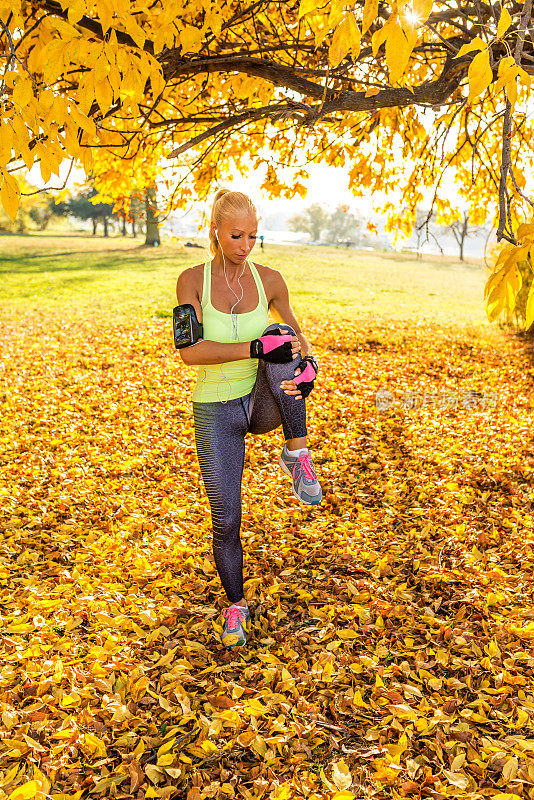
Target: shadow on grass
x=17 y=264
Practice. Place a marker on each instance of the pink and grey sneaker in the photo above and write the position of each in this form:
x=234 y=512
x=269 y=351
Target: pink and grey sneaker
x=306 y=487
x=236 y=626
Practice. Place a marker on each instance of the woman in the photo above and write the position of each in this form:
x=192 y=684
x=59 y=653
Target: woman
x=241 y=385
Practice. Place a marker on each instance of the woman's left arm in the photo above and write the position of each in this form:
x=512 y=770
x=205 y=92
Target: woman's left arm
x=280 y=308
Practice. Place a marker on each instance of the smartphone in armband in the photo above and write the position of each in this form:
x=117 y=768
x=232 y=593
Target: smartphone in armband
x=186 y=328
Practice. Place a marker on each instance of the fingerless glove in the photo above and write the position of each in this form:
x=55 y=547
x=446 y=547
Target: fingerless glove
x=274 y=347
x=306 y=378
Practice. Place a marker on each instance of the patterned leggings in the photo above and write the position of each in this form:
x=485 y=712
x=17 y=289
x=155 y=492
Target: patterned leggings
x=220 y=430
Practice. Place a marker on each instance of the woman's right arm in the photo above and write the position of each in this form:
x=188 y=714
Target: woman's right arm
x=205 y=351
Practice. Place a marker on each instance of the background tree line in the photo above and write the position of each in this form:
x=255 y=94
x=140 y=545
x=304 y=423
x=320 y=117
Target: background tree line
x=40 y=208
x=342 y=227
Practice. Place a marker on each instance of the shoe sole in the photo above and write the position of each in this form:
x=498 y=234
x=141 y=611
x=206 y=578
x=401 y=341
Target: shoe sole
x=288 y=472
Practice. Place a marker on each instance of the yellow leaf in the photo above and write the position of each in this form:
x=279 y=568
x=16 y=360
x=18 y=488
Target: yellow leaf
x=340 y=45
x=190 y=39
x=23 y=92
x=105 y=13
x=421 y=10
x=524 y=77
x=70 y=700
x=75 y=11
x=94 y=745
x=511 y=90
x=479 y=74
x=137 y=33
x=354 y=36
x=153 y=773
x=358 y=699
x=9 y=776
x=505 y=796
x=475 y=44
x=505 y=20
x=507 y=69
x=341 y=775
x=522 y=717
x=307 y=7
x=347 y=633
x=139 y=688
x=255 y=708
x=42 y=780
x=343 y=796
x=370 y=10
x=530 y=307
x=380 y=35
x=166 y=747
x=458 y=762
x=10 y=195
x=457 y=779
x=282 y=792
x=510 y=769
x=26 y=791
x=492 y=649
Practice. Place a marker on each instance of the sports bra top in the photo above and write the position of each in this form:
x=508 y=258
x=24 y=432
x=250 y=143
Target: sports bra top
x=218 y=382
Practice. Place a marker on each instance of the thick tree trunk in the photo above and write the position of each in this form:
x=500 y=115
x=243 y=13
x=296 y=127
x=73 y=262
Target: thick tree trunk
x=94 y=225
x=133 y=226
x=105 y=226
x=124 y=233
x=152 y=231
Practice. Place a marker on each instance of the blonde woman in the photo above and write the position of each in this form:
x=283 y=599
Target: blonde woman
x=252 y=377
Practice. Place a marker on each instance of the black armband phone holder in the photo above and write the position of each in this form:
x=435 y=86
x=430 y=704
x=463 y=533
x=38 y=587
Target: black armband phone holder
x=186 y=328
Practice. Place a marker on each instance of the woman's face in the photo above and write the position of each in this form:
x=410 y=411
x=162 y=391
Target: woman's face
x=237 y=236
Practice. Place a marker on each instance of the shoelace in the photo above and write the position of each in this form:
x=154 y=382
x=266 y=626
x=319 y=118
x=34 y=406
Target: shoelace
x=233 y=615
x=307 y=466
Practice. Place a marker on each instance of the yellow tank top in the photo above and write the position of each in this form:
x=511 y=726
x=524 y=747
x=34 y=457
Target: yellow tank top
x=217 y=382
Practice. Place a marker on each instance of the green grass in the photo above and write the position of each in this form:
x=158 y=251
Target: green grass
x=85 y=275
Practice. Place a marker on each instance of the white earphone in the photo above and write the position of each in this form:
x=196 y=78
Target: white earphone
x=232 y=315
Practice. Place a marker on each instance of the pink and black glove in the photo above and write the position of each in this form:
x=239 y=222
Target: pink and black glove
x=273 y=347
x=308 y=373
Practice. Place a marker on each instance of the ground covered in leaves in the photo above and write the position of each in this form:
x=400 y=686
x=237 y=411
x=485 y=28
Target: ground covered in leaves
x=391 y=650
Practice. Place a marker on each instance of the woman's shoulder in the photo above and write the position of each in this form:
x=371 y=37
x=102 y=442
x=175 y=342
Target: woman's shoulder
x=267 y=274
x=192 y=276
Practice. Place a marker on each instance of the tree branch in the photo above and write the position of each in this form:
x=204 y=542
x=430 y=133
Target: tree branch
x=431 y=93
x=506 y=159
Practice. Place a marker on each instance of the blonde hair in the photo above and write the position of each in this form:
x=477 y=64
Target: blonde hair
x=225 y=204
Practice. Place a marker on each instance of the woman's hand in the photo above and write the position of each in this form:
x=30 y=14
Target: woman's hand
x=302 y=388
x=295 y=345
x=291 y=388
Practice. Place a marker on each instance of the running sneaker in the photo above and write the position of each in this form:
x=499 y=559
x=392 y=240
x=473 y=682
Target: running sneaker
x=236 y=625
x=306 y=487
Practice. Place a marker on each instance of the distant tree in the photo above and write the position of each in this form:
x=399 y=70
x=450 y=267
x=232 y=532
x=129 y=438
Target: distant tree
x=44 y=207
x=313 y=221
x=461 y=230
x=80 y=206
x=342 y=225
x=422 y=231
x=25 y=221
x=137 y=212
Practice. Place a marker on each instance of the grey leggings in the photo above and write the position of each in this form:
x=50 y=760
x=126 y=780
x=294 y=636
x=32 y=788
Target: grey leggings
x=220 y=430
